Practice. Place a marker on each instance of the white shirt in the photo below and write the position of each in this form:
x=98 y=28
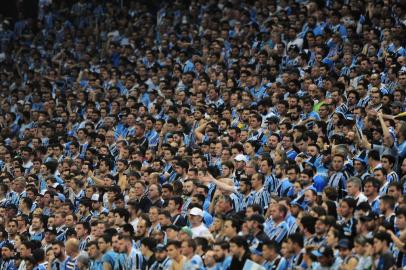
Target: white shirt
x=200 y=231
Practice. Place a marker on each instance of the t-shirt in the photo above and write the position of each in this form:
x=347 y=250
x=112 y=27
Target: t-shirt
x=109 y=257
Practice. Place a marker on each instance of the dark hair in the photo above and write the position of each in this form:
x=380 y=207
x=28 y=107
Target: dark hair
x=123 y=213
x=384 y=237
x=176 y=243
x=297 y=238
x=149 y=242
x=240 y=241
x=308 y=222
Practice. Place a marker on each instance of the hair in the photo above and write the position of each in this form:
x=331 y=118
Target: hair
x=390 y=200
x=374 y=154
x=122 y=213
x=149 y=242
x=234 y=223
x=350 y=202
x=191 y=243
x=240 y=241
x=297 y=238
x=308 y=222
x=384 y=237
x=356 y=181
x=175 y=243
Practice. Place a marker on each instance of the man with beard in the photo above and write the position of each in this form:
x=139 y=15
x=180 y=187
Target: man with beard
x=84 y=210
x=220 y=250
x=272 y=144
x=240 y=252
x=109 y=256
x=142 y=231
x=95 y=255
x=188 y=188
x=59 y=258
x=129 y=257
x=294 y=114
x=285 y=183
x=255 y=226
x=163 y=262
x=60 y=225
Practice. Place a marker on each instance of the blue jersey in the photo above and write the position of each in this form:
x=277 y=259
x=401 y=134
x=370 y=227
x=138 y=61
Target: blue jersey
x=261 y=197
x=277 y=232
x=109 y=258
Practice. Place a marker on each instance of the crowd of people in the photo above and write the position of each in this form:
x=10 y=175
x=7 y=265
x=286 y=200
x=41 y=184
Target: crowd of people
x=218 y=134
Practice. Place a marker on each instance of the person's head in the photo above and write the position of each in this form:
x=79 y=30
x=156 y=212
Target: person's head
x=195 y=217
x=382 y=240
x=278 y=212
x=325 y=255
x=7 y=251
x=344 y=247
x=72 y=247
x=26 y=249
x=93 y=250
x=338 y=162
x=353 y=186
x=142 y=228
x=306 y=177
x=82 y=229
x=220 y=249
x=347 y=207
x=173 y=249
x=371 y=186
x=231 y=227
x=387 y=203
x=125 y=243
x=121 y=216
x=257 y=180
x=238 y=246
x=400 y=220
x=188 y=247
x=147 y=246
x=387 y=162
x=295 y=242
x=104 y=242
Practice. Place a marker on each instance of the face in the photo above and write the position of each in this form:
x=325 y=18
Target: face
x=228 y=229
x=352 y=189
x=337 y=163
x=344 y=210
x=400 y=222
x=378 y=246
x=172 y=251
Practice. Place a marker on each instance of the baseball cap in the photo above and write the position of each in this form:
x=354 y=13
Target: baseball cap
x=344 y=243
x=323 y=250
x=196 y=212
x=187 y=230
x=241 y=157
x=160 y=247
